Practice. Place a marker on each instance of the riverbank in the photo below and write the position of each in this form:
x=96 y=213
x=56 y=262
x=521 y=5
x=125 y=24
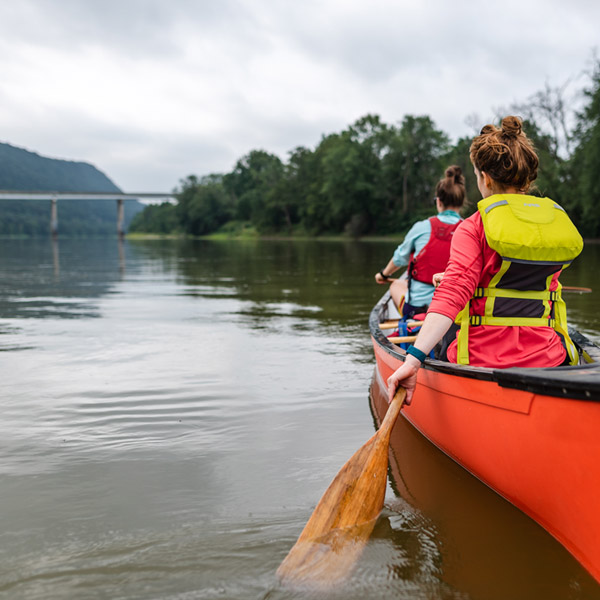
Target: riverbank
x=255 y=236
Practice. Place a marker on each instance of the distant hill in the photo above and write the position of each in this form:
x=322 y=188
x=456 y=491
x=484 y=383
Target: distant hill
x=21 y=170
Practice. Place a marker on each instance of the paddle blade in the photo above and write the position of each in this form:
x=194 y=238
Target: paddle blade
x=324 y=562
x=342 y=521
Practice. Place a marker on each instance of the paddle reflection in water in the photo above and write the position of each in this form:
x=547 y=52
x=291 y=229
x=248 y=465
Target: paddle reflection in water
x=485 y=546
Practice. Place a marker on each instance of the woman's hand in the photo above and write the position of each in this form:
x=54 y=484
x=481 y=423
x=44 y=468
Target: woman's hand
x=405 y=376
x=433 y=330
x=381 y=280
x=437 y=279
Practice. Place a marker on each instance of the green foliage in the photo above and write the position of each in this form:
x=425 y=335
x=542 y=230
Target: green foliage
x=23 y=170
x=585 y=193
x=252 y=184
x=412 y=167
x=156 y=218
x=203 y=206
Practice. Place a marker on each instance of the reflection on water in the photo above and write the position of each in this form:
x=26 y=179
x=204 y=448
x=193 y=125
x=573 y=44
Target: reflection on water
x=173 y=410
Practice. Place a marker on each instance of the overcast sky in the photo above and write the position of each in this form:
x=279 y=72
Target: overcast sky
x=150 y=91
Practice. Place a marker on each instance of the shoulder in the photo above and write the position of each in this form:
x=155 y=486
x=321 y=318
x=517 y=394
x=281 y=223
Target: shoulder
x=420 y=227
x=472 y=223
x=471 y=227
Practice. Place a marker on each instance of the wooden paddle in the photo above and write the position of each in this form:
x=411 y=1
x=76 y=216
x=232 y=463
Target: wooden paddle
x=343 y=520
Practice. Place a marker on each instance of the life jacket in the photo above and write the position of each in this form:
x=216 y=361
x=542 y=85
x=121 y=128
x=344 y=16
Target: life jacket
x=434 y=256
x=536 y=240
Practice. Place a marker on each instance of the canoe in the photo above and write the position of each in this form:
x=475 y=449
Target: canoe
x=531 y=435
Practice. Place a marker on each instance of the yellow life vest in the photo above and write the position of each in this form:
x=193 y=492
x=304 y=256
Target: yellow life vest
x=535 y=239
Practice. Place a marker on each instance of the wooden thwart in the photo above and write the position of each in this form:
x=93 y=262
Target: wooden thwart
x=393 y=323
x=402 y=339
x=343 y=520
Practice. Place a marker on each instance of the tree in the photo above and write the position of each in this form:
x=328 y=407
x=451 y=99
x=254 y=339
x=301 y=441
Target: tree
x=203 y=206
x=414 y=163
x=252 y=184
x=156 y=218
x=295 y=189
x=349 y=174
x=585 y=164
x=549 y=110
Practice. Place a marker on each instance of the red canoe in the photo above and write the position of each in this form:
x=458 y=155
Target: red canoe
x=532 y=435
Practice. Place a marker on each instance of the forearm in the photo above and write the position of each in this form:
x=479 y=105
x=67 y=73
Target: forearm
x=390 y=268
x=385 y=273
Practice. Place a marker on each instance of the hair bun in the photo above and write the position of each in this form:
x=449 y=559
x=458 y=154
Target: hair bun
x=488 y=129
x=511 y=126
x=455 y=173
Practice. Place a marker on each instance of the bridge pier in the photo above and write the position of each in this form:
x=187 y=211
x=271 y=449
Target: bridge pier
x=53 y=217
x=120 y=218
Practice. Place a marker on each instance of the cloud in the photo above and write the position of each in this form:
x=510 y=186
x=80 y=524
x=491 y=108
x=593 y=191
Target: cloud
x=151 y=91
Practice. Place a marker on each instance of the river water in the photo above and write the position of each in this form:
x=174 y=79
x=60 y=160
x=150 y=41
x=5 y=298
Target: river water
x=173 y=410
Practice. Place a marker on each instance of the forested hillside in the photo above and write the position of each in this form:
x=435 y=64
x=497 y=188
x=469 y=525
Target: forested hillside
x=21 y=170
x=379 y=178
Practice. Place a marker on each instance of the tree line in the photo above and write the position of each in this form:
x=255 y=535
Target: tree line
x=375 y=178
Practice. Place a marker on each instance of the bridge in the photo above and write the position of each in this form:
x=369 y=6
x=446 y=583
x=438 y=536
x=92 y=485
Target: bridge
x=55 y=196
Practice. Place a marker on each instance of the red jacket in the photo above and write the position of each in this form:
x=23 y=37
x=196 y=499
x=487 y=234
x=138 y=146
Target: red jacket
x=473 y=264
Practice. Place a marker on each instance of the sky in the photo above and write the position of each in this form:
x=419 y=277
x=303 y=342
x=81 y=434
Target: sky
x=151 y=91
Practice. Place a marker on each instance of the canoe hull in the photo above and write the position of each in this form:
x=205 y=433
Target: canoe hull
x=540 y=452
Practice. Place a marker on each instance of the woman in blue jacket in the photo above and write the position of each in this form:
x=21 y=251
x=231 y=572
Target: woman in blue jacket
x=426 y=248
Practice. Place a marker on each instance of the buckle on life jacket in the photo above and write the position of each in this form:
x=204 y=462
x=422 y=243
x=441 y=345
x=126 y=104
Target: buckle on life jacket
x=479 y=292
x=475 y=320
x=554 y=296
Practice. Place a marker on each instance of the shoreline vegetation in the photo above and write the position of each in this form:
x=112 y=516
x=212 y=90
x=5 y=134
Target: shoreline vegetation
x=389 y=238
x=396 y=238
x=374 y=180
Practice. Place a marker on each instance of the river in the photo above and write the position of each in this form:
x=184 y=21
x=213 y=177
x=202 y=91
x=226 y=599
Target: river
x=173 y=410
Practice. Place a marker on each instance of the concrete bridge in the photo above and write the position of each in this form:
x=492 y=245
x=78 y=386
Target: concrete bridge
x=55 y=196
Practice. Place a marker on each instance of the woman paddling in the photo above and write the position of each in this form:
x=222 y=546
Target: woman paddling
x=501 y=283
x=426 y=248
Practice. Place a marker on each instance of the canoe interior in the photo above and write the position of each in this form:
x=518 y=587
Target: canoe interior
x=580 y=382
